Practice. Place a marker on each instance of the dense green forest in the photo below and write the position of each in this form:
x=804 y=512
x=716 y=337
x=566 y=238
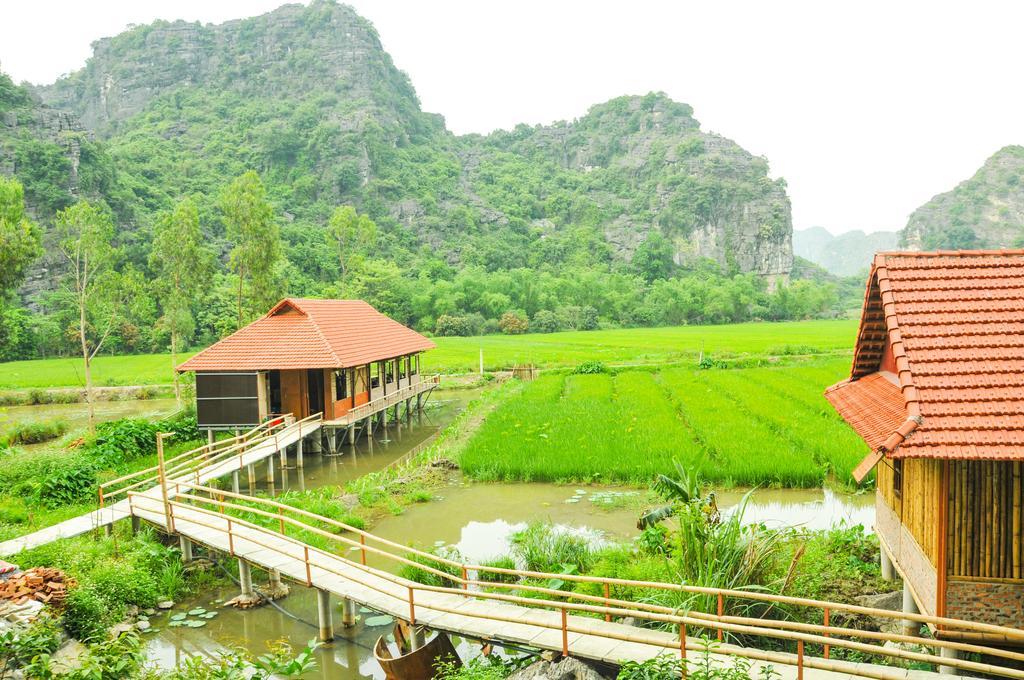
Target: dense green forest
x=293 y=167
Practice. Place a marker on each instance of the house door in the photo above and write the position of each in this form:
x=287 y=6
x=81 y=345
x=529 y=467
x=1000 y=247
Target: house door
x=315 y=391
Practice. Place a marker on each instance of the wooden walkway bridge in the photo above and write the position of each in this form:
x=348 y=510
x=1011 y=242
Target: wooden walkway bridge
x=227 y=457
x=519 y=607
x=183 y=496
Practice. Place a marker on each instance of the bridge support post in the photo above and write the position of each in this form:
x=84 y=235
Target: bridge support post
x=351 y=435
x=888 y=572
x=947 y=653
x=136 y=524
x=210 y=436
x=186 y=548
x=909 y=607
x=251 y=471
x=419 y=401
x=348 y=612
x=235 y=482
x=245 y=578
x=298 y=453
x=323 y=609
x=270 y=471
x=108 y=530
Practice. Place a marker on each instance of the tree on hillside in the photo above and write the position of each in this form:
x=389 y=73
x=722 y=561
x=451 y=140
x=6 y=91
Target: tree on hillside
x=84 y=235
x=19 y=237
x=653 y=258
x=182 y=264
x=354 y=235
x=252 y=227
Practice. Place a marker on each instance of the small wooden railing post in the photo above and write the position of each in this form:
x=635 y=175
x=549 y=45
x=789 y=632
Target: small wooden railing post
x=309 y=575
x=231 y=539
x=280 y=520
x=565 y=633
x=607 y=596
x=799 y=660
x=682 y=648
x=412 y=608
x=465 y=579
x=721 y=609
x=825 y=634
x=101 y=496
x=362 y=550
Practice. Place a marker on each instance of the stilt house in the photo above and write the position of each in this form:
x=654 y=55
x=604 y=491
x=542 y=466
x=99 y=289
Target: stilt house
x=937 y=392
x=334 y=357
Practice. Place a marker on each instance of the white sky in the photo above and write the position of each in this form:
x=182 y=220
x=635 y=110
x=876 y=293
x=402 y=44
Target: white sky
x=866 y=108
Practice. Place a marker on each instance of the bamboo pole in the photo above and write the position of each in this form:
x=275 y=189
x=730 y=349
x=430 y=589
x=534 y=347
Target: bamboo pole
x=1017 y=556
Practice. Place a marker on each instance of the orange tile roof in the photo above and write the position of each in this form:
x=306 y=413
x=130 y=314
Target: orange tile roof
x=304 y=333
x=951 y=326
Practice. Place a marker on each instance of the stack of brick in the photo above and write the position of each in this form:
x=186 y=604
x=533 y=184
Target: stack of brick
x=44 y=584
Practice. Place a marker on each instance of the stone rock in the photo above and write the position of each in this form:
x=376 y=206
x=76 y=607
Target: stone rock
x=149 y=611
x=198 y=565
x=131 y=611
x=142 y=625
x=120 y=629
x=165 y=604
x=889 y=601
x=562 y=669
x=350 y=500
x=68 y=657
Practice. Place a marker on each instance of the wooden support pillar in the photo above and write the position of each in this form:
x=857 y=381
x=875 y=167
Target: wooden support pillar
x=351 y=435
x=210 y=436
x=298 y=454
x=235 y=481
x=323 y=609
x=245 y=578
x=909 y=607
x=251 y=471
x=348 y=612
x=186 y=548
x=108 y=530
x=136 y=524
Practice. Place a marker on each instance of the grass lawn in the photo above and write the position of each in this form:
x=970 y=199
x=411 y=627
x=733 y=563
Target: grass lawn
x=745 y=427
x=460 y=355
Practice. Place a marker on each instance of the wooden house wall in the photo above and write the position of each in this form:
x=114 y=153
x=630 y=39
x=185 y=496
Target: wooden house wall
x=985 y=519
x=917 y=504
x=294 y=398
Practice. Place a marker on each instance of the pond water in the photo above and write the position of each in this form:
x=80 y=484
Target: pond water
x=77 y=415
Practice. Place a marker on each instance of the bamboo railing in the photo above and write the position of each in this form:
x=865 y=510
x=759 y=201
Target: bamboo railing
x=402 y=393
x=221 y=514
x=191 y=463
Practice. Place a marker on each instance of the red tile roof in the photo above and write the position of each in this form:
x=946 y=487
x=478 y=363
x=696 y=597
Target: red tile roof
x=949 y=327
x=303 y=333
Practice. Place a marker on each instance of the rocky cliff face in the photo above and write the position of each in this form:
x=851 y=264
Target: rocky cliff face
x=985 y=211
x=307 y=96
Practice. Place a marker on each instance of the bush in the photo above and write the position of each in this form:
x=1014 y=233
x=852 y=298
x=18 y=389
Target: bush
x=576 y=318
x=69 y=483
x=590 y=368
x=85 y=614
x=119 y=441
x=120 y=584
x=450 y=325
x=545 y=321
x=34 y=433
x=513 y=323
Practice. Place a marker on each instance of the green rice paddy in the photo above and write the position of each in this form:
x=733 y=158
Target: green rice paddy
x=461 y=355
x=737 y=427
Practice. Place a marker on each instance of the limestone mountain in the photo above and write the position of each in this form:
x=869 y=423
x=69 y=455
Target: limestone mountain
x=846 y=254
x=307 y=96
x=985 y=211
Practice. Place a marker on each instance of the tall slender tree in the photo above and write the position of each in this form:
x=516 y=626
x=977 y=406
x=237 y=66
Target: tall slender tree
x=84 y=235
x=20 y=238
x=181 y=263
x=251 y=225
x=353 y=233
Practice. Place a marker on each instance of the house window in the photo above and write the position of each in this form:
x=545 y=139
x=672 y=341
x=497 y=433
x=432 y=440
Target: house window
x=389 y=371
x=401 y=368
x=414 y=364
x=341 y=384
x=374 y=375
x=897 y=476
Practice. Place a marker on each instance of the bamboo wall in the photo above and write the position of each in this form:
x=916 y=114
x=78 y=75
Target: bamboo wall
x=917 y=505
x=985 y=518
